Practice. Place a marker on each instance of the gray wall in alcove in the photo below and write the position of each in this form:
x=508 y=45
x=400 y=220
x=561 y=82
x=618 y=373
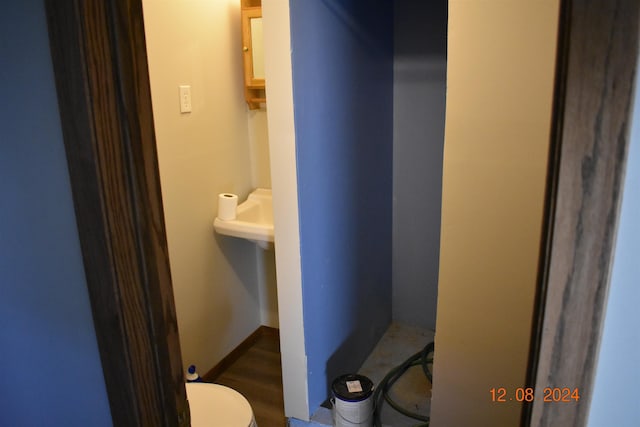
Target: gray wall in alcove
x=420 y=72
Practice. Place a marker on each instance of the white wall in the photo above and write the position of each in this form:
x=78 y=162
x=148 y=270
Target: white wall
x=615 y=396
x=201 y=154
x=277 y=47
x=259 y=148
x=261 y=178
x=501 y=57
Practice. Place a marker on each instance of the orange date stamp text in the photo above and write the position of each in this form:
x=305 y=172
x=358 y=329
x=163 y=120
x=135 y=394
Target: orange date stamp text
x=528 y=394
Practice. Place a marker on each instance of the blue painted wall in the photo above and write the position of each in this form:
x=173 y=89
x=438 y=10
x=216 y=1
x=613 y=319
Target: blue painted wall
x=50 y=371
x=342 y=63
x=615 y=395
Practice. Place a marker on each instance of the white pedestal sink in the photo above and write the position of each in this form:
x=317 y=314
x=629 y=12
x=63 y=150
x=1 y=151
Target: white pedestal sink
x=254 y=220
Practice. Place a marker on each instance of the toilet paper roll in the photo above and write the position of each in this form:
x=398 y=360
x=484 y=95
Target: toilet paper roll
x=227 y=204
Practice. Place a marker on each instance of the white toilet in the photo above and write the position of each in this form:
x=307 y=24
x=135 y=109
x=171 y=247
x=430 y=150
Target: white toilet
x=214 y=405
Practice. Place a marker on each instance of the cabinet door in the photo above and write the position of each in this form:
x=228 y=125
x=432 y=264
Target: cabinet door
x=252 y=47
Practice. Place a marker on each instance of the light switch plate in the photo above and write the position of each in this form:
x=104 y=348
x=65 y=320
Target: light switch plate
x=185 y=98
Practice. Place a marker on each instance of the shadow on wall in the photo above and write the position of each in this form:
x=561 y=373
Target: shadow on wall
x=235 y=252
x=420 y=75
x=342 y=361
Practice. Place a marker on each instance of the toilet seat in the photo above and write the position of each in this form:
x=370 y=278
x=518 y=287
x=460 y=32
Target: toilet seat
x=214 y=405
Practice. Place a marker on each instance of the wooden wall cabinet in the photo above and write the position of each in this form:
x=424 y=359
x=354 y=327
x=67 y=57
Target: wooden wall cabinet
x=252 y=53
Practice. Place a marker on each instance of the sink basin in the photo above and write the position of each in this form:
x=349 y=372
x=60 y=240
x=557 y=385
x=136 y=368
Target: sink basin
x=254 y=220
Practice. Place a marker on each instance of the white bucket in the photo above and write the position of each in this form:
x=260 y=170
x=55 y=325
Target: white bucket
x=352 y=401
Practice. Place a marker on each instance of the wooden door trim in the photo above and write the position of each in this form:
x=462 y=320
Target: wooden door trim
x=100 y=65
x=595 y=76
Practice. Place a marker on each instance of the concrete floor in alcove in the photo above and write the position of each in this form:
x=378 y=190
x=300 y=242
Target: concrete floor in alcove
x=412 y=391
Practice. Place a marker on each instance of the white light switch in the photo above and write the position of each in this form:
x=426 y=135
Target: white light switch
x=185 y=99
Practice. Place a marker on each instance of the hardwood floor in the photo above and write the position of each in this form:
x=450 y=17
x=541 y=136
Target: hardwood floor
x=257 y=375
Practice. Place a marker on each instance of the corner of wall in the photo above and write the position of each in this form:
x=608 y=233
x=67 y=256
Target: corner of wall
x=282 y=146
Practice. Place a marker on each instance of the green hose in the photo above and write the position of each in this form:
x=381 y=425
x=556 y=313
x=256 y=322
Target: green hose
x=382 y=390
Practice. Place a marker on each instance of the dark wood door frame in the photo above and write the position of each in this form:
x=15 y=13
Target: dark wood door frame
x=100 y=64
x=99 y=56
x=595 y=77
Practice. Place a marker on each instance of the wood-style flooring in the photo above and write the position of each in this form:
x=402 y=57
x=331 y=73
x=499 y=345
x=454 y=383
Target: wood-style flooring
x=257 y=375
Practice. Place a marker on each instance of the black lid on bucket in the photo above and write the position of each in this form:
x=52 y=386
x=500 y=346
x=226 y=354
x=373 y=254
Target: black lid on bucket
x=352 y=387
